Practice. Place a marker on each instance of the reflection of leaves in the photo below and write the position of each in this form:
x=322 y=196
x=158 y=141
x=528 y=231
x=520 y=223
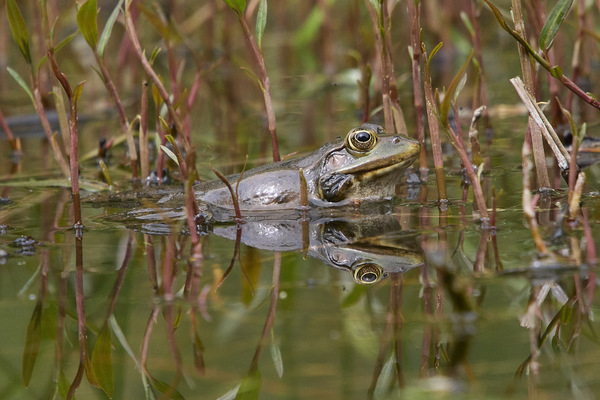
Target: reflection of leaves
x=33 y=338
x=165 y=388
x=354 y=296
x=63 y=383
x=276 y=355
x=386 y=379
x=250 y=386
x=102 y=361
x=251 y=267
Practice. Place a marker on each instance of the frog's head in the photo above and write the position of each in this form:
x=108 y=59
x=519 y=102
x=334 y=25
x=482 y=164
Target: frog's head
x=366 y=166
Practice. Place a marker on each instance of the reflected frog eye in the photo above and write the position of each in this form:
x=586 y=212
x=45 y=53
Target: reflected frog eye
x=368 y=274
x=361 y=140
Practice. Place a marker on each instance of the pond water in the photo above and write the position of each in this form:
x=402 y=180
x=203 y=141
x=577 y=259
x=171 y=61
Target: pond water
x=446 y=307
x=446 y=320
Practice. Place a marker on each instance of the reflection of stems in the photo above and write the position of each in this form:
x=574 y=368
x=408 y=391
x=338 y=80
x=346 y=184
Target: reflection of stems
x=272 y=309
x=80 y=304
x=120 y=278
x=392 y=331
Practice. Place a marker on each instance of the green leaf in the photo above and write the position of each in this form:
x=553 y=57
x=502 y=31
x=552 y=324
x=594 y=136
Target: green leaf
x=18 y=28
x=57 y=48
x=169 y=153
x=87 y=20
x=553 y=23
x=102 y=361
x=110 y=22
x=166 y=388
x=449 y=97
x=239 y=6
x=21 y=82
x=33 y=337
x=77 y=93
x=250 y=386
x=276 y=355
x=433 y=53
x=261 y=22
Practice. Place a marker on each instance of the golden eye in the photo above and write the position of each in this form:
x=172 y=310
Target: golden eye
x=361 y=140
x=368 y=274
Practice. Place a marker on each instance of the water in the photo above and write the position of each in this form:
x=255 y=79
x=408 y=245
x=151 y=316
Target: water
x=437 y=329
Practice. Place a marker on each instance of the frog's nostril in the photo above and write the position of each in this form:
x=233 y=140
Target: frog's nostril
x=396 y=140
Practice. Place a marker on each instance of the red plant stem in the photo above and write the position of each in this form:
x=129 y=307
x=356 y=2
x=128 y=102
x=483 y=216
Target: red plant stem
x=415 y=42
x=272 y=309
x=266 y=86
x=80 y=305
x=148 y=68
x=114 y=95
x=8 y=132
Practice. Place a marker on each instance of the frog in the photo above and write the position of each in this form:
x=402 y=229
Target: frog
x=363 y=166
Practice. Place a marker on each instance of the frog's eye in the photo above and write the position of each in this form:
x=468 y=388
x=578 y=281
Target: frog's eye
x=361 y=140
x=368 y=273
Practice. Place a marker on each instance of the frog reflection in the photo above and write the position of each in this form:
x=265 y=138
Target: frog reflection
x=369 y=248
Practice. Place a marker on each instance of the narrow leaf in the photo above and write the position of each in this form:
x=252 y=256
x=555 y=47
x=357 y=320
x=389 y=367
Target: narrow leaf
x=102 y=361
x=57 y=48
x=110 y=22
x=166 y=388
x=447 y=102
x=276 y=355
x=261 y=22
x=239 y=6
x=77 y=93
x=21 y=82
x=18 y=28
x=169 y=153
x=553 y=23
x=87 y=20
x=33 y=337
x=250 y=386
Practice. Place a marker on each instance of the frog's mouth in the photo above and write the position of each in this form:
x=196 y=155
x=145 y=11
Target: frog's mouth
x=386 y=165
